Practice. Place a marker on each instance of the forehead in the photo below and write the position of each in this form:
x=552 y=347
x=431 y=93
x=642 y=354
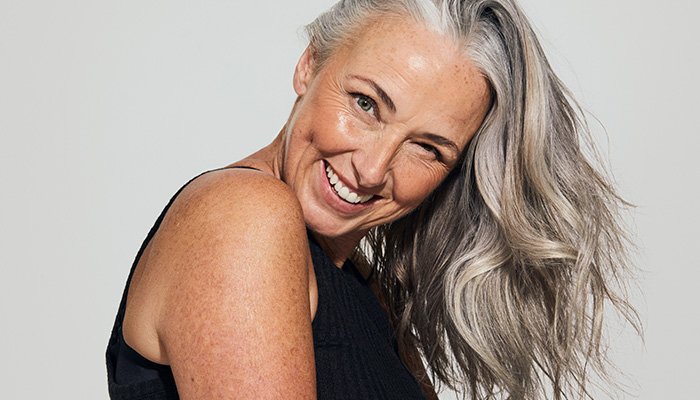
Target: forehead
x=425 y=73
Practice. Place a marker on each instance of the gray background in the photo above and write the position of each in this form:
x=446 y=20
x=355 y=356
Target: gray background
x=106 y=108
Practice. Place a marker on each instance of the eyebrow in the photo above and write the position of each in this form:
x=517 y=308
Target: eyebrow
x=380 y=92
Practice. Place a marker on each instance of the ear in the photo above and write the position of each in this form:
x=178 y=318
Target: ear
x=304 y=71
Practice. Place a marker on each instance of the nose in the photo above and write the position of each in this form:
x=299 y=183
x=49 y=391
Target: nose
x=372 y=160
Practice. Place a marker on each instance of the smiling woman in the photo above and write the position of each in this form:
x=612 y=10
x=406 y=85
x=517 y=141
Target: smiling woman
x=388 y=121
x=426 y=208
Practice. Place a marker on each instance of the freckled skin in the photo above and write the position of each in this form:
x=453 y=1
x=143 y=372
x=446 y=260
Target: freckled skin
x=225 y=292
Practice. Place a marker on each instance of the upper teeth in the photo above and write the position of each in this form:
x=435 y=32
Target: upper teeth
x=342 y=190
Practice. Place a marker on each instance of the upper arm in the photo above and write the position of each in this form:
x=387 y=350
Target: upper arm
x=234 y=320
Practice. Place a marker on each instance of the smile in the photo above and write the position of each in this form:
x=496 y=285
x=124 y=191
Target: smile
x=342 y=191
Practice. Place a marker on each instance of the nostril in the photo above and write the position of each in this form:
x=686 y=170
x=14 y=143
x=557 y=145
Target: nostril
x=372 y=172
x=371 y=179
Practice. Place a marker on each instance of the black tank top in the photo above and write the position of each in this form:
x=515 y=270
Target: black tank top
x=355 y=349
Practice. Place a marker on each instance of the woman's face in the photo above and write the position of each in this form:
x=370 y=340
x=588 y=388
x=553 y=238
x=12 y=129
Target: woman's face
x=379 y=126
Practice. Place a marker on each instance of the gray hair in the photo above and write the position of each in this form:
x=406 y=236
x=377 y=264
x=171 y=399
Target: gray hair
x=501 y=276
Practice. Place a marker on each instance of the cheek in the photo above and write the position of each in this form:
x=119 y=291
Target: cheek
x=413 y=185
x=318 y=132
x=327 y=126
x=333 y=131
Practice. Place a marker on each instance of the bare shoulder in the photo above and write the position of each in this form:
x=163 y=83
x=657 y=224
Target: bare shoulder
x=228 y=283
x=237 y=194
x=232 y=217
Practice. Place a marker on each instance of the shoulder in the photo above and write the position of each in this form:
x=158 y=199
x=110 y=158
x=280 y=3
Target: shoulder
x=228 y=214
x=232 y=194
x=231 y=258
x=225 y=228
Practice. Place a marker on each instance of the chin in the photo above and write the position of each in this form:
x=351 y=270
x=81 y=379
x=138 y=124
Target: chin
x=328 y=226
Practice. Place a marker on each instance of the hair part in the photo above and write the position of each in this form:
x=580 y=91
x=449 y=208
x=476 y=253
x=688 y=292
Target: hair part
x=501 y=277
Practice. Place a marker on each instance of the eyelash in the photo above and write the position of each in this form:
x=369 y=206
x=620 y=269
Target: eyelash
x=375 y=109
x=432 y=149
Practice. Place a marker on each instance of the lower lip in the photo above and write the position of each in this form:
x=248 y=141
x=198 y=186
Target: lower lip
x=331 y=196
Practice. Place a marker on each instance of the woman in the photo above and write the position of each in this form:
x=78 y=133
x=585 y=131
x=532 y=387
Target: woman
x=427 y=206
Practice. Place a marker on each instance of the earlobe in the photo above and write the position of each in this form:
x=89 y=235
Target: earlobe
x=303 y=71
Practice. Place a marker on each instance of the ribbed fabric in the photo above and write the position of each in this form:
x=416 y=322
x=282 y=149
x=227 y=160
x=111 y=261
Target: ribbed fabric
x=355 y=349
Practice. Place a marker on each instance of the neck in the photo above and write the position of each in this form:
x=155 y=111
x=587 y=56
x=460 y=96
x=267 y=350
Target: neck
x=268 y=159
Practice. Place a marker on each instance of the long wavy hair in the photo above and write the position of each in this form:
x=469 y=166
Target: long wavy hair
x=500 y=278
